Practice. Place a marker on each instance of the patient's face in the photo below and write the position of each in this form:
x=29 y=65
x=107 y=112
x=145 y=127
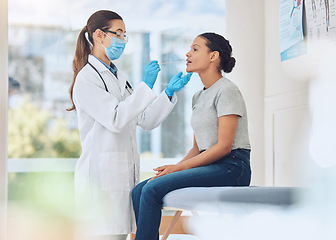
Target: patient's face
x=198 y=58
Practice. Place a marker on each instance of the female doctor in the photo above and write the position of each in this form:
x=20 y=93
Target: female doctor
x=108 y=111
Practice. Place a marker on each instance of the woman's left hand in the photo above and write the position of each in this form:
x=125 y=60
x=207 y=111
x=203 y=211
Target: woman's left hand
x=164 y=170
x=177 y=83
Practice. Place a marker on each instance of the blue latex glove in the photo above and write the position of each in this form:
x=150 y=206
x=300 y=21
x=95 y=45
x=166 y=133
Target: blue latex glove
x=177 y=83
x=150 y=73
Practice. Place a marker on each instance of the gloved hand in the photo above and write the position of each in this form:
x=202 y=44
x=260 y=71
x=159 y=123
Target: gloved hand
x=150 y=73
x=177 y=83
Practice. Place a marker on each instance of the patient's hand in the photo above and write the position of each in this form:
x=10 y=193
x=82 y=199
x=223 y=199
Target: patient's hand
x=164 y=170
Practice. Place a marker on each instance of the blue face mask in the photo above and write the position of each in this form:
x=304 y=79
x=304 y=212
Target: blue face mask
x=116 y=48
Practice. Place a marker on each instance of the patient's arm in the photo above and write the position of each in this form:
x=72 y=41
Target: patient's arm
x=194 y=151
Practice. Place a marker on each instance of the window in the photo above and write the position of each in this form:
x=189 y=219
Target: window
x=42 y=39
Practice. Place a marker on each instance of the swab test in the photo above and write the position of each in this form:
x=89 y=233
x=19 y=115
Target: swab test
x=171 y=62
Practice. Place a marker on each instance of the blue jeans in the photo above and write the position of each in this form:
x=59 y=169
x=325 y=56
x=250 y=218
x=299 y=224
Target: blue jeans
x=231 y=170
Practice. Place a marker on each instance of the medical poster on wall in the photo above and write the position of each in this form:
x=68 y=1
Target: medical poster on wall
x=321 y=19
x=291 y=32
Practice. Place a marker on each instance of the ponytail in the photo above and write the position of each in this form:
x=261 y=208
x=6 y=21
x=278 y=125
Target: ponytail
x=98 y=20
x=82 y=52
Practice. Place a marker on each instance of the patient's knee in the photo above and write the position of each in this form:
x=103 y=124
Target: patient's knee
x=151 y=190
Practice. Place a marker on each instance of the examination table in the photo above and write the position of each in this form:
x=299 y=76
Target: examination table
x=190 y=199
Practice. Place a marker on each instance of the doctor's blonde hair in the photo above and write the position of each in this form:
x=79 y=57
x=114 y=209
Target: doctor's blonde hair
x=98 y=20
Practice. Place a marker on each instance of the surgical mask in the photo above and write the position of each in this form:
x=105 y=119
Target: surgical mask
x=116 y=48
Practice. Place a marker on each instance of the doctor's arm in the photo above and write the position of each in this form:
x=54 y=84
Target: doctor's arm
x=227 y=126
x=105 y=108
x=158 y=111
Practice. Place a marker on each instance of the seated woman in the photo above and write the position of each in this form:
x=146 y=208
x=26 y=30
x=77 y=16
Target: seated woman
x=220 y=155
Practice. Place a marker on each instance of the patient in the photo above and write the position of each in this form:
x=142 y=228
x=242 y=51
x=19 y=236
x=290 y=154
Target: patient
x=220 y=155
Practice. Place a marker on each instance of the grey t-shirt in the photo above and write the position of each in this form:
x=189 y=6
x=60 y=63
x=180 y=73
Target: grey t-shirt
x=222 y=98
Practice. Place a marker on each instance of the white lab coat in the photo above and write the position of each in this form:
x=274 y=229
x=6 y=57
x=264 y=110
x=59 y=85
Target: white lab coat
x=108 y=167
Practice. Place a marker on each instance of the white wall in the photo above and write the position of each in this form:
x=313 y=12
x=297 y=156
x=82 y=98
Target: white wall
x=3 y=116
x=245 y=31
x=286 y=109
x=276 y=96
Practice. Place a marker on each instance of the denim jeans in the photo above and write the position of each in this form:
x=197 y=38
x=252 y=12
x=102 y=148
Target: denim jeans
x=231 y=170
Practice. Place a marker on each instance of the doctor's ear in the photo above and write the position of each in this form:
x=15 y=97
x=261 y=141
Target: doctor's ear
x=98 y=35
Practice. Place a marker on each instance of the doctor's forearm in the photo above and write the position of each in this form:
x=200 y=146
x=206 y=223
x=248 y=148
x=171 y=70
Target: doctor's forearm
x=156 y=113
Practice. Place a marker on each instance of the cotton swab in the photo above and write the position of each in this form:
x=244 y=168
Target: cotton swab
x=171 y=62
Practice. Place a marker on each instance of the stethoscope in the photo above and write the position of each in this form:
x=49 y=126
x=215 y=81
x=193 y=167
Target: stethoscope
x=127 y=86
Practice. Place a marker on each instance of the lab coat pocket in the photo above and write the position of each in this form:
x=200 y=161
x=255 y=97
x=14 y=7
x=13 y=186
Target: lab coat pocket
x=113 y=170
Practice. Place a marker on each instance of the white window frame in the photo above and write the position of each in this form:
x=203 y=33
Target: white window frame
x=3 y=114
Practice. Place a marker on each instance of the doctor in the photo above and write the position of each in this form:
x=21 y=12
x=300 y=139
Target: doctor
x=108 y=111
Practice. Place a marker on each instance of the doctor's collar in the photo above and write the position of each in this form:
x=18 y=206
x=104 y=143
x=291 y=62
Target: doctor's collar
x=112 y=68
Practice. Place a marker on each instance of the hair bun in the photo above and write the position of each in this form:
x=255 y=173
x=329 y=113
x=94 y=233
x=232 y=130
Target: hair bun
x=229 y=65
x=216 y=42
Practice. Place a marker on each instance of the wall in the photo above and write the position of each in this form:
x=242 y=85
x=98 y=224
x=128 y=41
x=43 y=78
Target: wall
x=286 y=108
x=245 y=31
x=276 y=95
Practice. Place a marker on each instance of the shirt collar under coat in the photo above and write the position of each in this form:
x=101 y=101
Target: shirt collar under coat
x=121 y=81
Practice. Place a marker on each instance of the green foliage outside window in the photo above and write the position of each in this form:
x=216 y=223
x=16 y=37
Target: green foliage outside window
x=34 y=133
